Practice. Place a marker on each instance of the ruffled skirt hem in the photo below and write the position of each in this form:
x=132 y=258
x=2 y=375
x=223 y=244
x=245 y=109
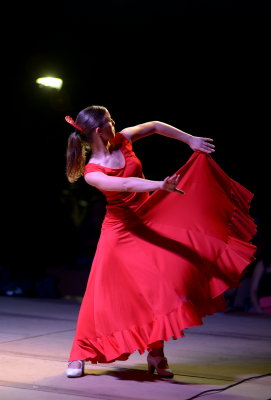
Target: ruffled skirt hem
x=120 y=345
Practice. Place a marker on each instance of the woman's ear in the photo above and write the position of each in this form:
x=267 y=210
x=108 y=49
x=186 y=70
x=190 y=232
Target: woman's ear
x=98 y=131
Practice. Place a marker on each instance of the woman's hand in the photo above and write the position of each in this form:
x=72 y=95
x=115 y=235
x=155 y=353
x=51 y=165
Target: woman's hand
x=171 y=182
x=203 y=144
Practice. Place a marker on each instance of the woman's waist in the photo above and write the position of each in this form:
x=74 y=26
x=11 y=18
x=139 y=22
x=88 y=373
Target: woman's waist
x=126 y=203
x=120 y=211
x=121 y=215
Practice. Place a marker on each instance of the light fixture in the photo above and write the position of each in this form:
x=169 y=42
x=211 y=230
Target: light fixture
x=49 y=81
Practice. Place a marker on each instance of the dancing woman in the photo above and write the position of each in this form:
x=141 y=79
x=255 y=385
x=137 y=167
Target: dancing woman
x=163 y=260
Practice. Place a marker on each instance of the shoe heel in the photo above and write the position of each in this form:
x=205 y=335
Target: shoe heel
x=151 y=369
x=159 y=364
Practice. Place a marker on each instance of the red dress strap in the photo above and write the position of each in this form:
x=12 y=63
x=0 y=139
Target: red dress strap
x=90 y=167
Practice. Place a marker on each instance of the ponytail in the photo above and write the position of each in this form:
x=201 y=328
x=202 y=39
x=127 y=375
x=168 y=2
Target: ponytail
x=75 y=157
x=80 y=140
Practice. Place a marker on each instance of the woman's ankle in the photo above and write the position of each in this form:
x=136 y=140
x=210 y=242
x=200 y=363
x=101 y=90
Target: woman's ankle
x=157 y=348
x=159 y=352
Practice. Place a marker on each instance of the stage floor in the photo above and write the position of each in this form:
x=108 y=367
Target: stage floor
x=36 y=336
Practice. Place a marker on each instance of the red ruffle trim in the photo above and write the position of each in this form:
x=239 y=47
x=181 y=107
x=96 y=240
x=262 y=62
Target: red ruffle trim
x=121 y=344
x=239 y=251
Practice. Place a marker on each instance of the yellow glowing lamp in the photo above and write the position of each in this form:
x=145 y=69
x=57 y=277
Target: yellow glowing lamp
x=49 y=81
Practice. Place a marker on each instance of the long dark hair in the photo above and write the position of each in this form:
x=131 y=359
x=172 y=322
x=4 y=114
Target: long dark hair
x=79 y=142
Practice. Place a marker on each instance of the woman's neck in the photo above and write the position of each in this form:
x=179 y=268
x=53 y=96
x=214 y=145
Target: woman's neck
x=101 y=153
x=100 y=150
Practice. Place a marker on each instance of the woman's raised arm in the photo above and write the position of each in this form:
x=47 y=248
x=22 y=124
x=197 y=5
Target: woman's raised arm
x=196 y=143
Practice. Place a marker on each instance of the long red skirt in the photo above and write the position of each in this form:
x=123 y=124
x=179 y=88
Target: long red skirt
x=162 y=268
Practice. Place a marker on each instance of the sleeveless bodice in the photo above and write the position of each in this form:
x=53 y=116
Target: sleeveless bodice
x=132 y=167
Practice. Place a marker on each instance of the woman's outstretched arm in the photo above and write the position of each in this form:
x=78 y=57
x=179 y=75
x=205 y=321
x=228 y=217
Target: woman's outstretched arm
x=130 y=184
x=148 y=128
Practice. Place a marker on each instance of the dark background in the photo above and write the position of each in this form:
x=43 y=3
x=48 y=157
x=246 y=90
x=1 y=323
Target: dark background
x=203 y=67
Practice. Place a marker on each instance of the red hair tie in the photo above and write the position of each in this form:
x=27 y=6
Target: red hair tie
x=71 y=122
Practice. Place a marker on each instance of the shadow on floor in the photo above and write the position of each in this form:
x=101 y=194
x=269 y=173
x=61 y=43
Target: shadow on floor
x=133 y=374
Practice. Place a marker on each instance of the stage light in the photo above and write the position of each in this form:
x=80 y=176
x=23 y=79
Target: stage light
x=49 y=81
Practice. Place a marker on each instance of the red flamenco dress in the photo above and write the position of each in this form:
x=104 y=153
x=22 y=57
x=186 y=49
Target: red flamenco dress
x=163 y=260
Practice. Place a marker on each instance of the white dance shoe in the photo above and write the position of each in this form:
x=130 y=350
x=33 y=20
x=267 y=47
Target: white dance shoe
x=75 y=372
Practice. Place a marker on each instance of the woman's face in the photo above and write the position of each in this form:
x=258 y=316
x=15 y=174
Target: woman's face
x=108 y=128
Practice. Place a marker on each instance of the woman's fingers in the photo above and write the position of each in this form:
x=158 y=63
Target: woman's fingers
x=208 y=146
x=171 y=183
x=202 y=144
